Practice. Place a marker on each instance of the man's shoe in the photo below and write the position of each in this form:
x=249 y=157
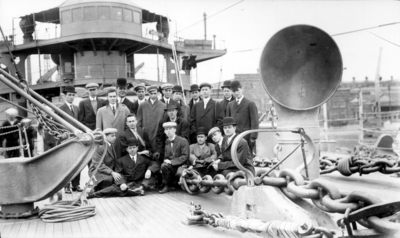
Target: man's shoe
x=67 y=190
x=77 y=189
x=164 y=190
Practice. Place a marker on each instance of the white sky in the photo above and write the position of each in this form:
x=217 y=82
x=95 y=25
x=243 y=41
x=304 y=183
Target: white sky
x=249 y=24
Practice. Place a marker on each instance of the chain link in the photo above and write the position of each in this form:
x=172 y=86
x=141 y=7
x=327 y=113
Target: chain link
x=13 y=148
x=9 y=132
x=7 y=127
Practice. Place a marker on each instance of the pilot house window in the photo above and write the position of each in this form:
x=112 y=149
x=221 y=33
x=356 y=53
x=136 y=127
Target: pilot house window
x=77 y=14
x=128 y=15
x=89 y=13
x=116 y=13
x=66 y=16
x=104 y=12
x=136 y=17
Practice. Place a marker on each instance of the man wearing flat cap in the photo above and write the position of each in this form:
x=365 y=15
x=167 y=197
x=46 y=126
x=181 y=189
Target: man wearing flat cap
x=195 y=92
x=122 y=88
x=206 y=113
x=216 y=135
x=202 y=154
x=245 y=114
x=106 y=175
x=88 y=107
x=228 y=95
x=182 y=128
x=224 y=164
x=141 y=93
x=72 y=110
x=149 y=114
x=176 y=155
x=167 y=93
x=113 y=116
x=11 y=139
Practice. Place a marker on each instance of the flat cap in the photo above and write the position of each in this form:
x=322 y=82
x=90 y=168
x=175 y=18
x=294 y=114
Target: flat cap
x=169 y=124
x=213 y=130
x=110 y=130
x=91 y=85
x=12 y=111
x=205 y=85
x=140 y=86
x=152 y=87
x=167 y=85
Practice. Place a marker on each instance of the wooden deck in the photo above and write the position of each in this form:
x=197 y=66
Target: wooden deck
x=152 y=215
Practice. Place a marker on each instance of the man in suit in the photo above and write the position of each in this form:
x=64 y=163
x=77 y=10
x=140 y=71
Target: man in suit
x=245 y=114
x=176 y=154
x=141 y=93
x=72 y=110
x=113 y=116
x=167 y=93
x=182 y=128
x=216 y=135
x=202 y=154
x=132 y=132
x=177 y=94
x=11 y=139
x=122 y=88
x=228 y=97
x=88 y=107
x=149 y=115
x=137 y=170
x=106 y=175
x=195 y=92
x=206 y=113
x=224 y=164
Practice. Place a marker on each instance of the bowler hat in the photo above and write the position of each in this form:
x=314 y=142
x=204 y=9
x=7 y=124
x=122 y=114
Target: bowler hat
x=121 y=82
x=201 y=131
x=69 y=89
x=228 y=121
x=171 y=106
x=205 y=85
x=177 y=88
x=226 y=84
x=131 y=142
x=235 y=84
x=194 y=87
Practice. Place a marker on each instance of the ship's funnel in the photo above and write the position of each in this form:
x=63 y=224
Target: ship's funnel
x=301 y=68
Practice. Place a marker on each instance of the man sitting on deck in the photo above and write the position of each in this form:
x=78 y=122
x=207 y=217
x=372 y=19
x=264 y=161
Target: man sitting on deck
x=176 y=154
x=216 y=135
x=202 y=154
x=224 y=164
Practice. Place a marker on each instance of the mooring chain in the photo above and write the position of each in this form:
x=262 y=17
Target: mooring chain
x=9 y=132
x=350 y=165
x=324 y=194
x=14 y=148
x=8 y=127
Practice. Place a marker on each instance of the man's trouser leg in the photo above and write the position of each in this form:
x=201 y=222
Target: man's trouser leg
x=168 y=173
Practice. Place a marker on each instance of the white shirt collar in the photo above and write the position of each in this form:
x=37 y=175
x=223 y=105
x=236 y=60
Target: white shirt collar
x=113 y=105
x=240 y=99
x=230 y=138
x=206 y=100
x=172 y=138
x=152 y=101
x=141 y=101
x=68 y=104
x=92 y=99
x=167 y=99
x=229 y=99
x=134 y=157
x=121 y=100
x=196 y=101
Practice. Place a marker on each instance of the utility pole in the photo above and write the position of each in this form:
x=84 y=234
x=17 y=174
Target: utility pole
x=360 y=113
x=214 y=41
x=205 y=26
x=377 y=92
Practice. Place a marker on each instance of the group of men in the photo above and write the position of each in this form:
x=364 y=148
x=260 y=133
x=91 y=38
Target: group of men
x=148 y=140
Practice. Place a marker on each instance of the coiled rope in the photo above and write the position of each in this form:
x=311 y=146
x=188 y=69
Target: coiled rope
x=80 y=208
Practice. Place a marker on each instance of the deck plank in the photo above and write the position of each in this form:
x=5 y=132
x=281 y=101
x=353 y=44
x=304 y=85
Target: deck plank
x=102 y=228
x=58 y=230
x=6 y=230
x=32 y=229
x=112 y=218
x=40 y=229
x=85 y=229
x=23 y=230
x=49 y=230
x=66 y=229
x=129 y=226
x=14 y=230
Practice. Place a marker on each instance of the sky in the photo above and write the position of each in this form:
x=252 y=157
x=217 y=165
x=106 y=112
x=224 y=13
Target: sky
x=243 y=27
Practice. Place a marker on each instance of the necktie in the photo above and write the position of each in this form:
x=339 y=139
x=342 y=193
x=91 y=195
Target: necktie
x=113 y=109
x=94 y=105
x=72 y=110
x=238 y=102
x=172 y=144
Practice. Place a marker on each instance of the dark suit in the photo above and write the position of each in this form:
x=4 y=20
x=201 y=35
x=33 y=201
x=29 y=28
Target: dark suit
x=134 y=172
x=191 y=103
x=135 y=107
x=245 y=115
x=182 y=130
x=128 y=134
x=87 y=115
x=208 y=118
x=129 y=104
x=243 y=152
x=65 y=108
x=103 y=176
x=178 y=154
x=224 y=104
